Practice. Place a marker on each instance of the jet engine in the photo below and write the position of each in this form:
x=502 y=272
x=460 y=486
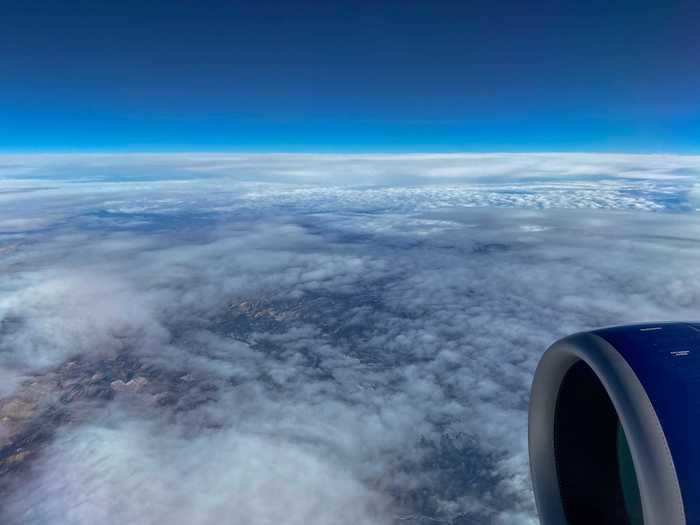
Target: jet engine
x=614 y=427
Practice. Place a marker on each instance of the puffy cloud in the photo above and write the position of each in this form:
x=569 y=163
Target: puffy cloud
x=137 y=473
x=68 y=313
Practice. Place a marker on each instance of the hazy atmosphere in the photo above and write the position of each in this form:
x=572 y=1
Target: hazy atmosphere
x=310 y=339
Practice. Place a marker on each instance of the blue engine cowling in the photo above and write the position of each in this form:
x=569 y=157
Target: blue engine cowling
x=614 y=427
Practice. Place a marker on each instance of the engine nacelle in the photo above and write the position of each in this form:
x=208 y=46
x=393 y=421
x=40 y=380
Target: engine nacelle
x=614 y=427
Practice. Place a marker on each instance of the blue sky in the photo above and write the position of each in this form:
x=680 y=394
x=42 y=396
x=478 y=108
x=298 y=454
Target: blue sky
x=350 y=76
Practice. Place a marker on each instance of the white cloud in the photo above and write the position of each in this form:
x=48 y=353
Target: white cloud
x=139 y=474
x=359 y=354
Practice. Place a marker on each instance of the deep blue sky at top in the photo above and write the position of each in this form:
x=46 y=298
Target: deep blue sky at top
x=368 y=75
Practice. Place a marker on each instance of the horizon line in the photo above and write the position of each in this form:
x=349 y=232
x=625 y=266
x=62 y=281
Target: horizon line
x=328 y=153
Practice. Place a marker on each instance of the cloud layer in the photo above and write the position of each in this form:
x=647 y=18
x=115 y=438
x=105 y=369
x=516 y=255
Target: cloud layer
x=309 y=339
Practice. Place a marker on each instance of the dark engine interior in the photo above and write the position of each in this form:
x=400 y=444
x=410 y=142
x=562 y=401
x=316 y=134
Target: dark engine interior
x=596 y=474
